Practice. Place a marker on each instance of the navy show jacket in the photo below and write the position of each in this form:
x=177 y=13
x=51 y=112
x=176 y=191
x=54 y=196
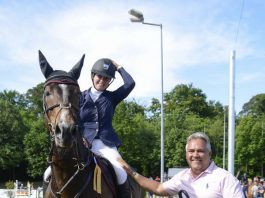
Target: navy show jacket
x=96 y=117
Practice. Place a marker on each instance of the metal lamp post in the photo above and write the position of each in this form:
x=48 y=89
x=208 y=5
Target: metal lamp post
x=139 y=18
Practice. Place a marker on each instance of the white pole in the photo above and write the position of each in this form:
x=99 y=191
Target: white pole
x=231 y=122
x=162 y=111
x=224 y=143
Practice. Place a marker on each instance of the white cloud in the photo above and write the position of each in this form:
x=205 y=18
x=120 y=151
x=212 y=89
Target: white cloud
x=196 y=36
x=249 y=77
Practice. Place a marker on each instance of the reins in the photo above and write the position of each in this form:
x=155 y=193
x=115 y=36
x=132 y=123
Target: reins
x=183 y=192
x=80 y=167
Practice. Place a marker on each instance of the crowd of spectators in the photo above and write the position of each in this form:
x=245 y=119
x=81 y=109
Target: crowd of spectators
x=253 y=188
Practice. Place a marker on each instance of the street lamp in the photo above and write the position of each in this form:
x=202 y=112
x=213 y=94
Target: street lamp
x=139 y=18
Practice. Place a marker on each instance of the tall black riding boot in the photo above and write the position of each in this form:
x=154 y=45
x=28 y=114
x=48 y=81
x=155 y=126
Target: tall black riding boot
x=124 y=190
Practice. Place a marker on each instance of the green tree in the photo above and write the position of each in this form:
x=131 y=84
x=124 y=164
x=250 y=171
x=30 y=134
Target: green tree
x=255 y=107
x=187 y=111
x=139 y=140
x=12 y=131
x=188 y=97
x=14 y=98
x=36 y=141
x=34 y=98
x=250 y=142
x=36 y=148
x=154 y=109
x=215 y=130
x=250 y=139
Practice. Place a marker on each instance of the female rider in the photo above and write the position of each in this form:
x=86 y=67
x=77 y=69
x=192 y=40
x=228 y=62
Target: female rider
x=97 y=108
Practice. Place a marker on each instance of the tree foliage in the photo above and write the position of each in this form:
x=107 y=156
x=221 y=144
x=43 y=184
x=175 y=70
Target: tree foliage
x=24 y=137
x=36 y=140
x=12 y=130
x=36 y=148
x=188 y=97
x=250 y=136
x=255 y=107
x=137 y=134
x=250 y=144
x=188 y=111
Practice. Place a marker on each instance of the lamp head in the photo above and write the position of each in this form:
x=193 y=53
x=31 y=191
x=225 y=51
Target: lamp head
x=136 y=20
x=137 y=15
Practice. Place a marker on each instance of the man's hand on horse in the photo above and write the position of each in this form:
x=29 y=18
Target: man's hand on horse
x=127 y=167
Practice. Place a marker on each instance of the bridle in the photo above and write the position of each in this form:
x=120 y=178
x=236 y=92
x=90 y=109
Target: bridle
x=61 y=106
x=52 y=127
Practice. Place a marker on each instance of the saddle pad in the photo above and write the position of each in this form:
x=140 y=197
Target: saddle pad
x=97 y=179
x=108 y=173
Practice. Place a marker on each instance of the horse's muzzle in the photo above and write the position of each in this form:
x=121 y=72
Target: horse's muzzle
x=65 y=135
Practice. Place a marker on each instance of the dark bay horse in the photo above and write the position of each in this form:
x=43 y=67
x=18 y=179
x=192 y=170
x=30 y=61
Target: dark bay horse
x=75 y=170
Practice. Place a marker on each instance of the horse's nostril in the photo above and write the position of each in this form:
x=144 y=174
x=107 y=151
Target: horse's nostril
x=57 y=129
x=73 y=131
x=50 y=127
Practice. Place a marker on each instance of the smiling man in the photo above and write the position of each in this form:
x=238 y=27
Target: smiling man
x=203 y=179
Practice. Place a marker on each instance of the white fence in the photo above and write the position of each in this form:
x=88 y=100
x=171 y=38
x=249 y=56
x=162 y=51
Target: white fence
x=21 y=193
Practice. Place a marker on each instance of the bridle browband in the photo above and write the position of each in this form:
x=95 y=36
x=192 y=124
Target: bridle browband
x=79 y=164
x=60 y=81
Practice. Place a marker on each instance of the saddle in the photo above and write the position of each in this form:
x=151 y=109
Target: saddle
x=104 y=167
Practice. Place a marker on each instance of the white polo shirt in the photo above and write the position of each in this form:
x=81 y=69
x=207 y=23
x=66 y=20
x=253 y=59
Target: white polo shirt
x=214 y=182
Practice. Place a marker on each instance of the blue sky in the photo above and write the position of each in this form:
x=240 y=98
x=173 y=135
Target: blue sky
x=198 y=37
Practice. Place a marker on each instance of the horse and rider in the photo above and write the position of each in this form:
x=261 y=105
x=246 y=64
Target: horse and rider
x=83 y=141
x=84 y=158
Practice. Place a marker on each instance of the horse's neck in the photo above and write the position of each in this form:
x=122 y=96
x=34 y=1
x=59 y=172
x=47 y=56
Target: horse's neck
x=65 y=168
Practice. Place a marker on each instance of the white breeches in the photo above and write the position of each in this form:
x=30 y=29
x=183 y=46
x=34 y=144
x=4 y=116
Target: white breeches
x=112 y=154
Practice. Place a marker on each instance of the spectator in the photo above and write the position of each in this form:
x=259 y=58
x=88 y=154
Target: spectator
x=260 y=193
x=254 y=188
x=202 y=179
x=245 y=188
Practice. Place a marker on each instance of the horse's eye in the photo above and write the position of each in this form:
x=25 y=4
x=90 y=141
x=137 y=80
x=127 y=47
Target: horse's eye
x=47 y=93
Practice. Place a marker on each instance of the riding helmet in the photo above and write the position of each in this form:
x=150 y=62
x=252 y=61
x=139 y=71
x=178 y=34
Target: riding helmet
x=104 y=67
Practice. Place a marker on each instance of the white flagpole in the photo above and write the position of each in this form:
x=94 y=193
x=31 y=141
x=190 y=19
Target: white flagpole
x=231 y=123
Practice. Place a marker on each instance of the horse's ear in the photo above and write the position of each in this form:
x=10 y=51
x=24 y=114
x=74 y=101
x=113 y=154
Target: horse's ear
x=44 y=65
x=76 y=70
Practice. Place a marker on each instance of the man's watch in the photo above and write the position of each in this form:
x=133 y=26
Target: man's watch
x=133 y=172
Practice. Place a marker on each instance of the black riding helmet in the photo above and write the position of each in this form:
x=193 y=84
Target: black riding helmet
x=104 y=67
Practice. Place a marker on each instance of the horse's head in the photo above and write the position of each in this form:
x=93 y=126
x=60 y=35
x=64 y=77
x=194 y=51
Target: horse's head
x=61 y=102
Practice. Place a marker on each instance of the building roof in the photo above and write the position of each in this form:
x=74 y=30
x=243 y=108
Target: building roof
x=173 y=171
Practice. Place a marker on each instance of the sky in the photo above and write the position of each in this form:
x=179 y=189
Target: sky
x=198 y=37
